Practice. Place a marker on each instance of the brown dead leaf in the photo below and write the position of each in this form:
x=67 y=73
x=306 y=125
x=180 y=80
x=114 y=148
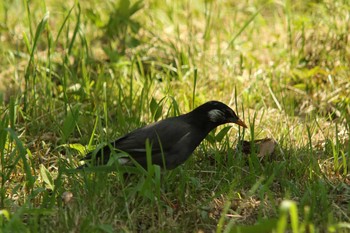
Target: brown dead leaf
x=263 y=147
x=266 y=147
x=67 y=197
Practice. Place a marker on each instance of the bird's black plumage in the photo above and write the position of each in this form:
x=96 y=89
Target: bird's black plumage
x=173 y=139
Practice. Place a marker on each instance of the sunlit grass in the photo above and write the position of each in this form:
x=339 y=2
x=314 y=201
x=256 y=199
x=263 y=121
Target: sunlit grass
x=69 y=81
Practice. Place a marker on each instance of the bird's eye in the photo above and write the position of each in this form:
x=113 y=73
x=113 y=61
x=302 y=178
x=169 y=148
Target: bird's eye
x=216 y=115
x=232 y=113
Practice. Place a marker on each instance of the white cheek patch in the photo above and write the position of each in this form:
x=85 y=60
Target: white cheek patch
x=216 y=115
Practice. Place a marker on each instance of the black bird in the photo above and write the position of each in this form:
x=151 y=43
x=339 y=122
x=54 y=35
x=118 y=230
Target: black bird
x=172 y=140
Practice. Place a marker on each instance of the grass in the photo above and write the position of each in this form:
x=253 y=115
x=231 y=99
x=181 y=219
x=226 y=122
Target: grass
x=75 y=75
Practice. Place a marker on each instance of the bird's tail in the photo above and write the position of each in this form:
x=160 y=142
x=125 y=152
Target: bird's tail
x=97 y=157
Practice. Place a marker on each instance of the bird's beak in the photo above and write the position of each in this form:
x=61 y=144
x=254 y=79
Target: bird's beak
x=241 y=123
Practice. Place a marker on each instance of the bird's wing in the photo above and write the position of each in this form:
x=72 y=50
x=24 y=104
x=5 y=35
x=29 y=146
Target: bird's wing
x=162 y=136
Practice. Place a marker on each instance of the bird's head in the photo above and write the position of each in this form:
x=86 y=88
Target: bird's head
x=219 y=113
